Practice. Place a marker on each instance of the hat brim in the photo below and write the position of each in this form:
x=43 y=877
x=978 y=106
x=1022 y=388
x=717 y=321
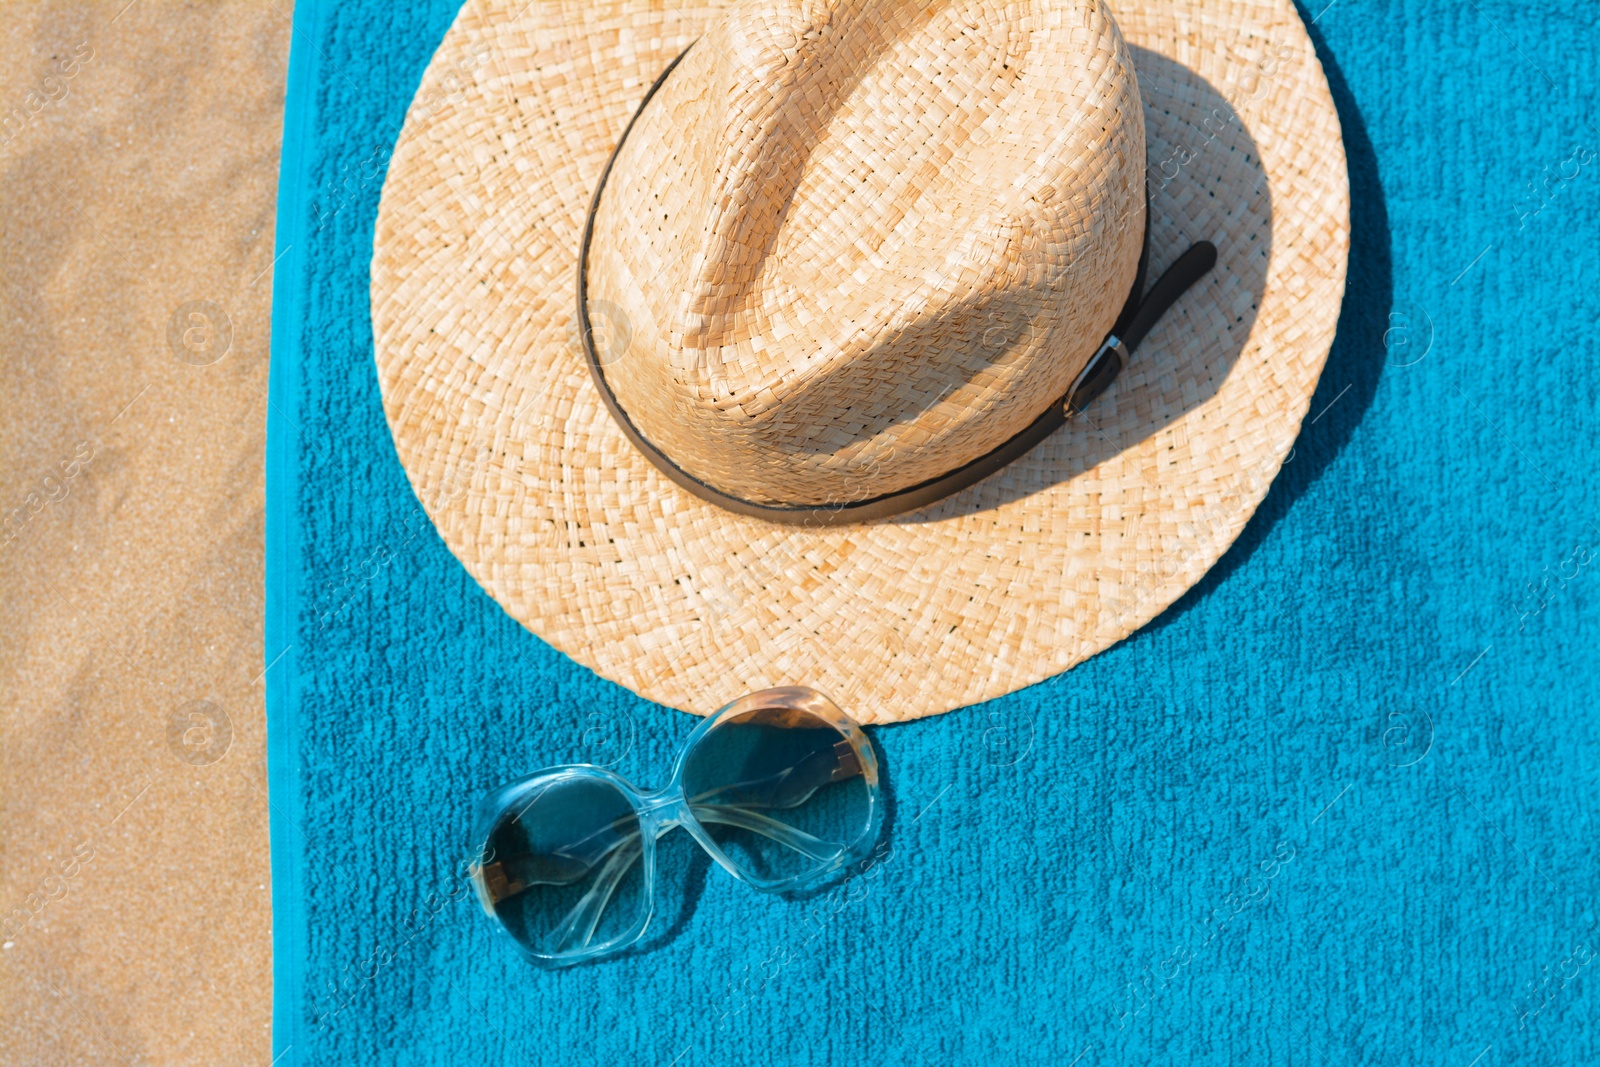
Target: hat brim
x=1018 y=578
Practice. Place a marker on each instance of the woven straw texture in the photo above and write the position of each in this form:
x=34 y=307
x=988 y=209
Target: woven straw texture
x=857 y=248
x=1022 y=576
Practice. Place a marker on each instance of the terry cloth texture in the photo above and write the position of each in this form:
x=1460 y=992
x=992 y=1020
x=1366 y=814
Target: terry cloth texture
x=1337 y=805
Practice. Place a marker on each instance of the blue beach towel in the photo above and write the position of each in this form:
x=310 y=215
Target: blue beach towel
x=1338 y=805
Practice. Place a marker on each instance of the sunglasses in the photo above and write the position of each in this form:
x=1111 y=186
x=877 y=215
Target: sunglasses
x=780 y=787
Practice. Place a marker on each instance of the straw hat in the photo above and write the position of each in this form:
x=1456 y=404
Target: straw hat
x=741 y=345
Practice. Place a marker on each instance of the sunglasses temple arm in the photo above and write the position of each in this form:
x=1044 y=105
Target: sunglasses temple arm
x=770 y=828
x=585 y=915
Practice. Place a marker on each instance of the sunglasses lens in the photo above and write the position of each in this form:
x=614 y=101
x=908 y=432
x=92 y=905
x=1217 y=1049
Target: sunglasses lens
x=781 y=791
x=561 y=865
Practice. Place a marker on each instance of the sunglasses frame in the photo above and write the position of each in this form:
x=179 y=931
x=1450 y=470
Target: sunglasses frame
x=660 y=811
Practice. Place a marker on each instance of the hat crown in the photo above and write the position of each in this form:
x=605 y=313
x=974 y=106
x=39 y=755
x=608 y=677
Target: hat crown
x=847 y=248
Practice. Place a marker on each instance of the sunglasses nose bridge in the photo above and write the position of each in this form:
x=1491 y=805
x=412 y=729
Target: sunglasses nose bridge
x=663 y=810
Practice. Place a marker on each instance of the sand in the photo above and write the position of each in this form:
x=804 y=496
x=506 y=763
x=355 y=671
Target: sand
x=138 y=163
